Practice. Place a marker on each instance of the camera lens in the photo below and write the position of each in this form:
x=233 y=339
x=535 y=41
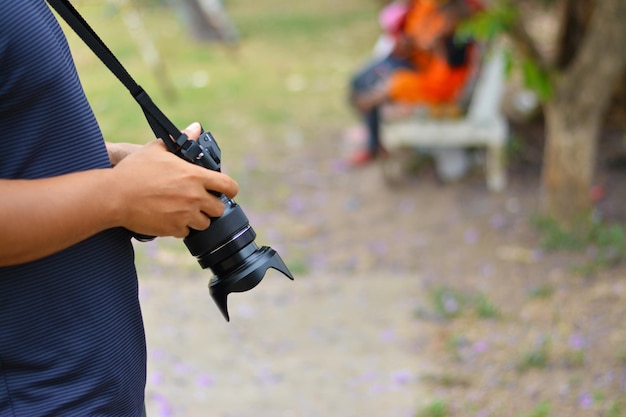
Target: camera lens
x=227 y=248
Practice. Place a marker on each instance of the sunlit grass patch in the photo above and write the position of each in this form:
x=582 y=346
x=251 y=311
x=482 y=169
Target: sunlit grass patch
x=437 y=408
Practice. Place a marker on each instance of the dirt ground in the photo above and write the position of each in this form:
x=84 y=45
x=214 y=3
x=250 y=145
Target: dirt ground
x=429 y=300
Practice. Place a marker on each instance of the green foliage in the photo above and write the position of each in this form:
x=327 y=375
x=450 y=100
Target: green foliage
x=437 y=408
x=238 y=93
x=298 y=268
x=605 y=244
x=541 y=292
x=554 y=237
x=542 y=409
x=490 y=24
x=621 y=356
x=447 y=379
x=538 y=357
x=447 y=303
x=500 y=19
x=485 y=308
x=536 y=78
x=616 y=409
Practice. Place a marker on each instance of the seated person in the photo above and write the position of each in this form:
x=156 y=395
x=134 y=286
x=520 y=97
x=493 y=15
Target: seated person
x=426 y=66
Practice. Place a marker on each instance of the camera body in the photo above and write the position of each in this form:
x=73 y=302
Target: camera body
x=227 y=246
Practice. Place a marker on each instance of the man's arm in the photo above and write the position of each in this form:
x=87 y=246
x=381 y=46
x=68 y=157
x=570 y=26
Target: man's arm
x=151 y=191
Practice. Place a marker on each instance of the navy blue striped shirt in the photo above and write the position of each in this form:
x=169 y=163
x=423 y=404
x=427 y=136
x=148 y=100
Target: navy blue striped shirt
x=71 y=334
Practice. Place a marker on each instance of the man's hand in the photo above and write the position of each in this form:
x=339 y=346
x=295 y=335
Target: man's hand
x=149 y=191
x=120 y=150
x=160 y=194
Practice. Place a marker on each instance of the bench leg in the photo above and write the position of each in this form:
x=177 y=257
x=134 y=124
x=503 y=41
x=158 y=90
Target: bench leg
x=495 y=170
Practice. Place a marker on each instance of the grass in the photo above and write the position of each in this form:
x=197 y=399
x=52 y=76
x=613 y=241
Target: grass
x=290 y=69
x=437 y=408
x=448 y=303
x=542 y=409
x=604 y=244
x=288 y=73
x=536 y=358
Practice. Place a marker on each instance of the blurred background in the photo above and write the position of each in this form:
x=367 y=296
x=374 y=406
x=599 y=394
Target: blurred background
x=432 y=299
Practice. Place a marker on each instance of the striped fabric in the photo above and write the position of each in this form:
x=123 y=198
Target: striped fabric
x=71 y=334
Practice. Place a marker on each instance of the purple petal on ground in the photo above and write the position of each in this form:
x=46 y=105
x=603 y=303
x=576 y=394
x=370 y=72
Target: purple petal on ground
x=205 y=381
x=497 y=221
x=388 y=335
x=296 y=204
x=367 y=376
x=254 y=218
x=577 y=341
x=266 y=376
x=156 y=378
x=351 y=263
x=480 y=346
x=181 y=368
x=487 y=269
x=379 y=247
x=318 y=261
x=164 y=408
x=451 y=305
x=144 y=294
x=376 y=389
x=321 y=198
x=402 y=377
x=157 y=354
x=585 y=400
x=406 y=206
x=338 y=166
x=471 y=236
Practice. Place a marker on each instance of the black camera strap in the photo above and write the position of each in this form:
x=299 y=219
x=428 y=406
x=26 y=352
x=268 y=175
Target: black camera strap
x=161 y=126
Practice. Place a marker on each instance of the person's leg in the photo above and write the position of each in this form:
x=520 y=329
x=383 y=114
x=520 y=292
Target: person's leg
x=367 y=93
x=369 y=80
x=371 y=120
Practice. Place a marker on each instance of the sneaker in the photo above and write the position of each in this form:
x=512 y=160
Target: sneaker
x=361 y=157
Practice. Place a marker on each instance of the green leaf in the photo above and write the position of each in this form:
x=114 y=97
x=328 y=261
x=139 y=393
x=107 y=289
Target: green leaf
x=536 y=79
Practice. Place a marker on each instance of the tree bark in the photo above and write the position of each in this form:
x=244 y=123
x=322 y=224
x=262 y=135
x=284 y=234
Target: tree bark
x=569 y=162
x=575 y=113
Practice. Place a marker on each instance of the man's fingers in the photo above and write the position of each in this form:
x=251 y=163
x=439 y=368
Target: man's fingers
x=221 y=183
x=200 y=222
x=193 y=131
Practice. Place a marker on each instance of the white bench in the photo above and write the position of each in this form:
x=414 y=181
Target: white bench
x=483 y=125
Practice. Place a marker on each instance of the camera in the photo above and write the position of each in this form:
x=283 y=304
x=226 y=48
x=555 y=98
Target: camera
x=227 y=246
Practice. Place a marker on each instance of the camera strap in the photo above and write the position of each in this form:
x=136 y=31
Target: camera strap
x=161 y=126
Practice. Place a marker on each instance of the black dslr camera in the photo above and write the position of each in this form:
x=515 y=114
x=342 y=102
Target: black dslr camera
x=227 y=247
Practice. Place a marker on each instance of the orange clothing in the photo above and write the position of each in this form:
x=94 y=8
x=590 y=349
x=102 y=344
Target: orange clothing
x=434 y=81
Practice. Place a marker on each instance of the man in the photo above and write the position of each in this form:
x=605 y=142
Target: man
x=71 y=334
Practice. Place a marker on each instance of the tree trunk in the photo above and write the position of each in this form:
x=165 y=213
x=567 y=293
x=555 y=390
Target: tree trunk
x=569 y=162
x=575 y=113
